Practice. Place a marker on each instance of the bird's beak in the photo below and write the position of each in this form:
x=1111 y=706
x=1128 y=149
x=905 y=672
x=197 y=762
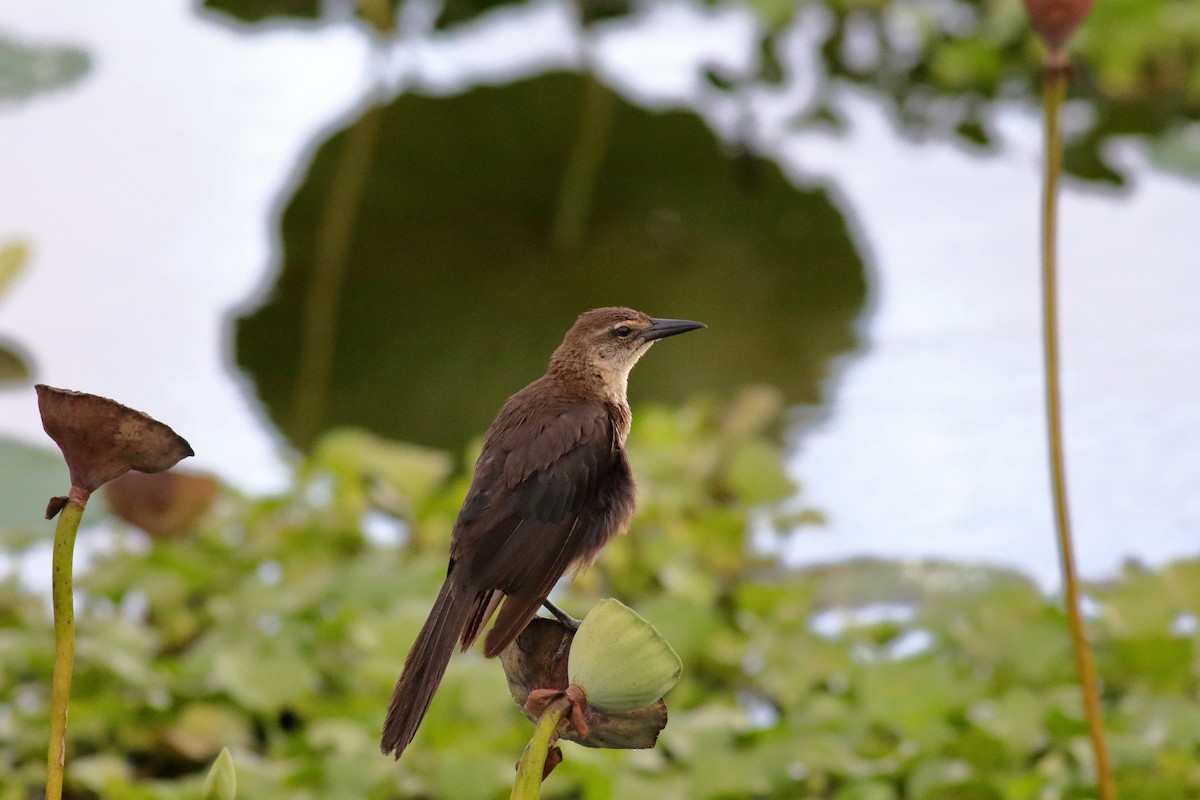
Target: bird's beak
x=662 y=328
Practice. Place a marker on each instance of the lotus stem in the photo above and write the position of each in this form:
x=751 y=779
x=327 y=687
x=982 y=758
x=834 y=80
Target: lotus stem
x=62 y=593
x=583 y=166
x=1054 y=89
x=528 y=785
x=335 y=234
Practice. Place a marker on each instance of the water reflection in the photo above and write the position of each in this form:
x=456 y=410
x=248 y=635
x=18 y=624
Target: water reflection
x=931 y=443
x=464 y=266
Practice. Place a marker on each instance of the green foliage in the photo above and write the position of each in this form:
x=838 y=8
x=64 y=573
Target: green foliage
x=221 y=783
x=13 y=257
x=277 y=628
x=32 y=476
x=27 y=70
x=943 y=66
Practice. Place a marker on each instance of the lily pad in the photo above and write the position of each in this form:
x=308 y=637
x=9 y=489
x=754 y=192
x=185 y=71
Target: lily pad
x=452 y=278
x=26 y=70
x=29 y=472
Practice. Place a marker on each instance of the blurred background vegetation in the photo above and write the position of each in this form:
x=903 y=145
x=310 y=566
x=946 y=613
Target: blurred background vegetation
x=276 y=625
x=941 y=65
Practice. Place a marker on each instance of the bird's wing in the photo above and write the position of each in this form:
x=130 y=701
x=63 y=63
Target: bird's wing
x=532 y=509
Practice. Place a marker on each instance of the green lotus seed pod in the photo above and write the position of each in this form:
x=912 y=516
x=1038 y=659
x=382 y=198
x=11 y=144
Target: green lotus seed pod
x=221 y=783
x=619 y=659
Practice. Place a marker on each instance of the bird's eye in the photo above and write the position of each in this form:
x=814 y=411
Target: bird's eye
x=622 y=331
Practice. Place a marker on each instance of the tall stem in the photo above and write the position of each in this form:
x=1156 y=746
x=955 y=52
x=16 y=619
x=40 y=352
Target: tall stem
x=334 y=235
x=583 y=166
x=528 y=785
x=62 y=593
x=1054 y=89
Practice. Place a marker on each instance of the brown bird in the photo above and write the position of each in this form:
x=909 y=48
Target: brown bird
x=552 y=486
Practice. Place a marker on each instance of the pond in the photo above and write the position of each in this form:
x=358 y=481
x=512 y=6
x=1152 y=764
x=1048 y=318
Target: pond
x=173 y=196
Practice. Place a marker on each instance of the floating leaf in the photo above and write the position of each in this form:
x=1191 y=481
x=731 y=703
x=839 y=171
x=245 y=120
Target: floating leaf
x=668 y=200
x=28 y=472
x=27 y=70
x=411 y=473
x=620 y=660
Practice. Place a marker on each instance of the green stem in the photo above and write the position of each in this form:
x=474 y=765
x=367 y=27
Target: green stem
x=334 y=235
x=64 y=642
x=1054 y=89
x=583 y=166
x=528 y=785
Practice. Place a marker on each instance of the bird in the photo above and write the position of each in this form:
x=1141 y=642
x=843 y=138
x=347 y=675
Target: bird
x=552 y=485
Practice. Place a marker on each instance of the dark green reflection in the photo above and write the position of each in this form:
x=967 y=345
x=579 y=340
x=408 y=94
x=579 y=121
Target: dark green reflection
x=453 y=294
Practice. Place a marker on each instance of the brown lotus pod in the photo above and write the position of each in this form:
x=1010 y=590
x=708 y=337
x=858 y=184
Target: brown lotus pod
x=536 y=661
x=163 y=504
x=1056 y=21
x=101 y=439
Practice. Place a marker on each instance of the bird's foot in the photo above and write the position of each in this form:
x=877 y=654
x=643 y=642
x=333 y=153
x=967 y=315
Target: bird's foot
x=562 y=616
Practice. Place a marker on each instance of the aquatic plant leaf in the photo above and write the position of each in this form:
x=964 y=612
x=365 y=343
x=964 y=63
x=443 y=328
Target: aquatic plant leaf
x=411 y=473
x=12 y=260
x=26 y=70
x=194 y=643
x=28 y=472
x=259 y=10
x=202 y=729
x=782 y=279
x=13 y=368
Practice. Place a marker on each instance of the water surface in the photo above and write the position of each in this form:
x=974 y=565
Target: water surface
x=155 y=187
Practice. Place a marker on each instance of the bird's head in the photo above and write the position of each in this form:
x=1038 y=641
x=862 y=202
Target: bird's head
x=607 y=342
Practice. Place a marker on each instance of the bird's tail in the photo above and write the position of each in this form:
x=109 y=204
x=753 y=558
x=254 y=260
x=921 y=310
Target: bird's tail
x=424 y=667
